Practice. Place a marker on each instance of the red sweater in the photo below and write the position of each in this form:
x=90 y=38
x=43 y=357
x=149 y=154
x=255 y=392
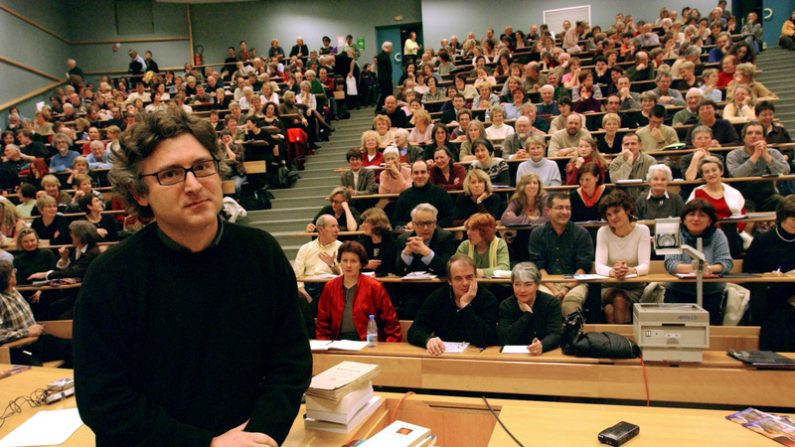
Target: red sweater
x=371 y=299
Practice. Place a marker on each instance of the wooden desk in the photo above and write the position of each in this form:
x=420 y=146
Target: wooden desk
x=535 y=423
x=558 y=424
x=719 y=379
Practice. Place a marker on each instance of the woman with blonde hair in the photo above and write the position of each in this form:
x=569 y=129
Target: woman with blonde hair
x=744 y=75
x=526 y=205
x=10 y=222
x=741 y=107
x=610 y=142
x=475 y=130
x=587 y=152
x=478 y=197
x=348 y=217
x=383 y=125
x=488 y=251
x=371 y=156
x=498 y=129
x=422 y=133
x=52 y=186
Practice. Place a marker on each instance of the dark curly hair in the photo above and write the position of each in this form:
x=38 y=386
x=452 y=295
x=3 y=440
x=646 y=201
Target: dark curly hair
x=140 y=141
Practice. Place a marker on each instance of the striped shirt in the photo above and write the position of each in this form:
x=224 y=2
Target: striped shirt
x=15 y=316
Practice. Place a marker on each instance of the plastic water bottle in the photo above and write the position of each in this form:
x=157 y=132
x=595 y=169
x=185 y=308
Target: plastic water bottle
x=372 y=332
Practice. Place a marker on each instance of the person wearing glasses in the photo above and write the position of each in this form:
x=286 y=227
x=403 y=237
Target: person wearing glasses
x=187 y=309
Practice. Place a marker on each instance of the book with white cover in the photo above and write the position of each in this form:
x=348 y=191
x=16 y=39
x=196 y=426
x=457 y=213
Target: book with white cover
x=358 y=418
x=336 y=381
x=515 y=349
x=340 y=412
x=399 y=434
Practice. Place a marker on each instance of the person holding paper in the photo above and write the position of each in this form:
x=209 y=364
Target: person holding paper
x=348 y=301
x=459 y=311
x=698 y=220
x=533 y=318
x=623 y=249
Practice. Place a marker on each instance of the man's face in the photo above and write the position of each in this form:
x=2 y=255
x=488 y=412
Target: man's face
x=693 y=101
x=329 y=231
x=706 y=113
x=522 y=126
x=560 y=212
x=390 y=104
x=546 y=95
x=419 y=174
x=573 y=124
x=753 y=134
x=664 y=83
x=424 y=224
x=631 y=143
x=354 y=163
x=186 y=207
x=766 y=117
x=461 y=277
x=702 y=139
x=655 y=122
x=613 y=104
x=458 y=103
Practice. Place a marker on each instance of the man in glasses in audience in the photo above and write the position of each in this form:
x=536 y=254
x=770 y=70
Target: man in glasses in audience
x=426 y=249
x=189 y=332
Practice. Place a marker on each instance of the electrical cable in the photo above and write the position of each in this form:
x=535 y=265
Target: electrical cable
x=493 y=413
x=645 y=380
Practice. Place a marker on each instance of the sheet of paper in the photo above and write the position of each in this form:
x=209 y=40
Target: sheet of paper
x=454 y=347
x=588 y=277
x=348 y=345
x=319 y=345
x=44 y=428
x=501 y=274
x=515 y=349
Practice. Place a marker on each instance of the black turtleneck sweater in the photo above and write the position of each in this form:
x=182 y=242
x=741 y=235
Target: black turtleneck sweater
x=769 y=252
x=173 y=348
x=413 y=196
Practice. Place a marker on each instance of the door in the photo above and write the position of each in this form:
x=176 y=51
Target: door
x=392 y=34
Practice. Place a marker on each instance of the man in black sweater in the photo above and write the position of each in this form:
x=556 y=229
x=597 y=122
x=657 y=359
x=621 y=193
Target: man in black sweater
x=384 y=66
x=422 y=191
x=459 y=311
x=189 y=333
x=396 y=115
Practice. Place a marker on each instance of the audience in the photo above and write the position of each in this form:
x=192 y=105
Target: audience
x=533 y=317
x=339 y=208
x=395 y=178
x=357 y=180
x=318 y=257
x=623 y=249
x=487 y=251
x=658 y=203
x=351 y=299
x=422 y=191
x=698 y=220
x=546 y=170
x=755 y=159
x=495 y=167
x=478 y=197
x=378 y=241
x=470 y=316
x=444 y=173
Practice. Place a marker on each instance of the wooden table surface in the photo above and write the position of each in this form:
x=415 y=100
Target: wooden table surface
x=534 y=423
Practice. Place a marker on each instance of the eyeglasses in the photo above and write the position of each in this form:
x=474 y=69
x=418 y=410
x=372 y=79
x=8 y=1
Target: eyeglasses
x=425 y=223
x=175 y=175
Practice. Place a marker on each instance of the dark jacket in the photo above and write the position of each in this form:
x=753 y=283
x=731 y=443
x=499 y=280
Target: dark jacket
x=442 y=243
x=516 y=327
x=439 y=317
x=76 y=268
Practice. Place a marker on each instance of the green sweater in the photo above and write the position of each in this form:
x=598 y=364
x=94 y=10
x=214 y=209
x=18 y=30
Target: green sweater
x=173 y=348
x=495 y=258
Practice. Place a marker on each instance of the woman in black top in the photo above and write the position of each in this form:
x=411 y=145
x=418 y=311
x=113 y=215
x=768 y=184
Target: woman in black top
x=530 y=317
x=378 y=242
x=478 y=197
x=50 y=225
x=105 y=223
x=30 y=258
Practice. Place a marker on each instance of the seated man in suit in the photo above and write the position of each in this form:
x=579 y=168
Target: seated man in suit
x=17 y=321
x=427 y=248
x=356 y=179
x=422 y=191
x=458 y=311
x=450 y=115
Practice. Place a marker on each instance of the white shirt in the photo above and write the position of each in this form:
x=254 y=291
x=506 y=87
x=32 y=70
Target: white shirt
x=307 y=261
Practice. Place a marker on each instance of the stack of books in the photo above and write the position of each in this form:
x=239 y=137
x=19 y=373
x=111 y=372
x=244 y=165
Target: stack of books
x=341 y=398
x=401 y=434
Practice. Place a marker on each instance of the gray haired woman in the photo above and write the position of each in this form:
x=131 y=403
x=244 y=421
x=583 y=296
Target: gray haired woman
x=530 y=317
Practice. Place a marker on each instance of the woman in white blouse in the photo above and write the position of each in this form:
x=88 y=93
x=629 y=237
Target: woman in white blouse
x=623 y=250
x=498 y=129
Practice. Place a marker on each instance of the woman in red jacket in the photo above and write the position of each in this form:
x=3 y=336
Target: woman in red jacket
x=348 y=301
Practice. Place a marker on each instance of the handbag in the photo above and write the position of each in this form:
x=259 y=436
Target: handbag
x=595 y=344
x=350 y=86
